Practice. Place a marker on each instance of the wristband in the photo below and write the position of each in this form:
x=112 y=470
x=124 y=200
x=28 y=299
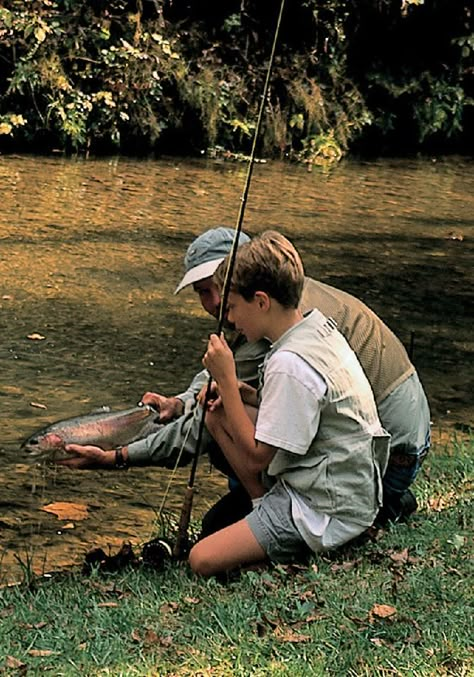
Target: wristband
x=120 y=461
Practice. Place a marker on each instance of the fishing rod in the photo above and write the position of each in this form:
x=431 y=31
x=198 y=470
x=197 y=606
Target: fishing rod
x=182 y=535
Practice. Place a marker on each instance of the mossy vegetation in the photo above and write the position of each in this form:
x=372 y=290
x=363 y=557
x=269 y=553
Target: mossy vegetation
x=141 y=76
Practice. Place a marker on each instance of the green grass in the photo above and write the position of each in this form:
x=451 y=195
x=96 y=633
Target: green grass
x=400 y=605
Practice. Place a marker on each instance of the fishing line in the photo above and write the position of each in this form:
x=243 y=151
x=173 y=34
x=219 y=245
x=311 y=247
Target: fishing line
x=182 y=535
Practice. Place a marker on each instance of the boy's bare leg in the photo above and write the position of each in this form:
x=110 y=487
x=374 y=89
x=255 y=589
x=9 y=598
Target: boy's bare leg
x=225 y=550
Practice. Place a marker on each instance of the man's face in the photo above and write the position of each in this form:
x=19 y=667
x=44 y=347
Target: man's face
x=209 y=296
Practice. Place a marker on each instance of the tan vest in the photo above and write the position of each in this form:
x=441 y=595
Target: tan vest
x=382 y=355
x=341 y=473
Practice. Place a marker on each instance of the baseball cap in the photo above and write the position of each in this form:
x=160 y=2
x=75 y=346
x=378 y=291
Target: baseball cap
x=206 y=252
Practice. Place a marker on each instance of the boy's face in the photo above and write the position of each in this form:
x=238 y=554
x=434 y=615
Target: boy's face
x=246 y=316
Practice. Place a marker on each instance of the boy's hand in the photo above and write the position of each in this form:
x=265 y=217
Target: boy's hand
x=219 y=359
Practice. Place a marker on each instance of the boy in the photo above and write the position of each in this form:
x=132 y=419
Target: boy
x=313 y=456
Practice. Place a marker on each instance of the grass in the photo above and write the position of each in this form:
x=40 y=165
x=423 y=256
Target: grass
x=399 y=605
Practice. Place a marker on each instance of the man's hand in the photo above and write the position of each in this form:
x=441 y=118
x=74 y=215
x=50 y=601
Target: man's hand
x=86 y=456
x=214 y=400
x=169 y=407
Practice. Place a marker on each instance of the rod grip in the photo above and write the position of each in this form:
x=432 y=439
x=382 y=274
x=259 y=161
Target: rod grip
x=182 y=540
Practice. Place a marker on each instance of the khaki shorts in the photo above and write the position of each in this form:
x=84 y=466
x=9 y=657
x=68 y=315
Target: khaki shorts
x=273 y=527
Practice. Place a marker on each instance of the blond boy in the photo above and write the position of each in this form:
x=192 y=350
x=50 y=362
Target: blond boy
x=312 y=456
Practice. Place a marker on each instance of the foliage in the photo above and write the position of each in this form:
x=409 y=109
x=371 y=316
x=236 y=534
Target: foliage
x=78 y=76
x=401 y=600
x=137 y=76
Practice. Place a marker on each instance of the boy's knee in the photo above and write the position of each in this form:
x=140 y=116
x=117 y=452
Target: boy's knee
x=200 y=561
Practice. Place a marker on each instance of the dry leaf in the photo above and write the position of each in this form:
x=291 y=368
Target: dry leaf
x=400 y=557
x=166 y=641
x=169 y=607
x=192 y=600
x=382 y=611
x=38 y=405
x=14 y=663
x=107 y=604
x=36 y=337
x=150 y=637
x=287 y=635
x=41 y=652
x=381 y=642
x=345 y=566
x=67 y=511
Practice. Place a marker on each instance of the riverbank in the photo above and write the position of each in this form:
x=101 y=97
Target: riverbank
x=399 y=604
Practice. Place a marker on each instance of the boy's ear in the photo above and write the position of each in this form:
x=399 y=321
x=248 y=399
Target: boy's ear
x=263 y=300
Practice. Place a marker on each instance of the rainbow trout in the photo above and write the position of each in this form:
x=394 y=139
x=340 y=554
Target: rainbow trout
x=106 y=429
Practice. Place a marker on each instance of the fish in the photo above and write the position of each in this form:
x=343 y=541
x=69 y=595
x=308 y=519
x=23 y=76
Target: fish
x=104 y=428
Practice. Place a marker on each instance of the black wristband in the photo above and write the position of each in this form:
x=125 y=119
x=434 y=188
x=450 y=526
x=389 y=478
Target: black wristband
x=120 y=461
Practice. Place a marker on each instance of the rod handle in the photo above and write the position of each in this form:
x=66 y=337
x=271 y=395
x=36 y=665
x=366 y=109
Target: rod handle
x=180 y=547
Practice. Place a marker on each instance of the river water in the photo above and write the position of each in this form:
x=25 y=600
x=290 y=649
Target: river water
x=90 y=253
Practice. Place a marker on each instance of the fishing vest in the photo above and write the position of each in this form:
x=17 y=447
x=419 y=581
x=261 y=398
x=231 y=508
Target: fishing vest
x=341 y=473
x=382 y=355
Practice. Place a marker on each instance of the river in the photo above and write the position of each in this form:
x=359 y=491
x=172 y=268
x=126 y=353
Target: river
x=90 y=253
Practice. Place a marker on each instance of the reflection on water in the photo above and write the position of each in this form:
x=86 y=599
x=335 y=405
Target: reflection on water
x=90 y=253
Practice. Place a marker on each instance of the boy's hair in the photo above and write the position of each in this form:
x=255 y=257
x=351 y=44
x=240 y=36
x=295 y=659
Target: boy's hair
x=269 y=263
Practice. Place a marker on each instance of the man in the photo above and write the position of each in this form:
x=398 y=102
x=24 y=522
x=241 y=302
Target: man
x=401 y=402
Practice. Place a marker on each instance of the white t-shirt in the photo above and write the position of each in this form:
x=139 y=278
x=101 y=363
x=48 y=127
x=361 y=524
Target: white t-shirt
x=290 y=409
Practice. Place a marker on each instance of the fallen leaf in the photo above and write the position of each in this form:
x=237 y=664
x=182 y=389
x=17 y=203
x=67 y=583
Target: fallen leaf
x=150 y=637
x=14 y=663
x=36 y=337
x=38 y=405
x=166 y=641
x=36 y=626
x=41 y=652
x=169 y=607
x=345 y=566
x=400 y=557
x=107 y=604
x=192 y=600
x=287 y=635
x=380 y=642
x=382 y=611
x=67 y=511
x=318 y=616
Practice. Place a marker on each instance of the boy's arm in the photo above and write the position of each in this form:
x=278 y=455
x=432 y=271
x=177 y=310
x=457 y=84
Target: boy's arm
x=255 y=455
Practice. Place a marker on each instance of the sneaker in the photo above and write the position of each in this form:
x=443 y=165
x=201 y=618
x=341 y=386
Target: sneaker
x=408 y=505
x=397 y=510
